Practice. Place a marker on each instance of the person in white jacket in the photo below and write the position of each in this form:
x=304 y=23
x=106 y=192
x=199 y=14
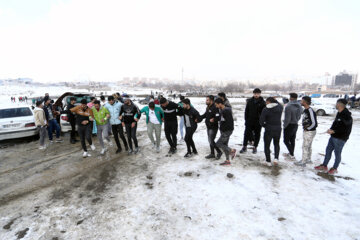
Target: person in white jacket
x=40 y=122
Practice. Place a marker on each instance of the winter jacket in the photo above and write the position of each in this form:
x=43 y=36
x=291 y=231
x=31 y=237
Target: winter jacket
x=211 y=112
x=114 y=111
x=39 y=115
x=171 y=111
x=342 y=125
x=253 y=111
x=129 y=113
x=82 y=114
x=227 y=103
x=100 y=115
x=270 y=117
x=309 y=120
x=292 y=113
x=189 y=117
x=226 y=120
x=48 y=109
x=158 y=112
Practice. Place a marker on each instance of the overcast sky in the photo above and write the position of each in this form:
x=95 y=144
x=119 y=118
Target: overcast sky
x=68 y=40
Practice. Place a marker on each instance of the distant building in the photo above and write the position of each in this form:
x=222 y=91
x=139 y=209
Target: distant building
x=344 y=79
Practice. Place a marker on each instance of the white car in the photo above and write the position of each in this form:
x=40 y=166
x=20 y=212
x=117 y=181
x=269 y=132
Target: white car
x=17 y=122
x=323 y=109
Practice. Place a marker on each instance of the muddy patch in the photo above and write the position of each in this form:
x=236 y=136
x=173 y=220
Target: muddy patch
x=230 y=175
x=332 y=178
x=60 y=194
x=280 y=219
x=105 y=178
x=149 y=185
x=21 y=234
x=9 y=224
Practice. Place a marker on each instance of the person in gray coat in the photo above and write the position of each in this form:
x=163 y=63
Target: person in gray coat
x=293 y=112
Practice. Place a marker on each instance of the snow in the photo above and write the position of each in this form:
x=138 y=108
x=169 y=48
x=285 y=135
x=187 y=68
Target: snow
x=149 y=196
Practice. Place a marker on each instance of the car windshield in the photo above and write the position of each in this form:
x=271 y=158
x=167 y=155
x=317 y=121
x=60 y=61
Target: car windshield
x=78 y=99
x=15 y=112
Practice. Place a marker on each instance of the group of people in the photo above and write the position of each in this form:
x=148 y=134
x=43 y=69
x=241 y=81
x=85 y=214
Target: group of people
x=118 y=116
x=21 y=99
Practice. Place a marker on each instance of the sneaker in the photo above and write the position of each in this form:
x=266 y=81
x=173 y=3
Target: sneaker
x=332 y=171
x=130 y=151
x=226 y=163
x=42 y=147
x=118 y=150
x=292 y=158
x=103 y=151
x=195 y=152
x=59 y=140
x=286 y=155
x=300 y=164
x=321 y=168
x=92 y=147
x=210 y=156
x=136 y=150
x=255 y=150
x=72 y=141
x=174 y=151
x=276 y=161
x=187 y=155
x=154 y=145
x=86 y=154
x=218 y=155
x=233 y=153
x=243 y=150
x=111 y=144
x=51 y=141
x=157 y=149
x=268 y=164
x=170 y=151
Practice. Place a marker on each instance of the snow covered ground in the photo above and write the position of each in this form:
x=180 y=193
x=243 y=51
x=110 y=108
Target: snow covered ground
x=57 y=194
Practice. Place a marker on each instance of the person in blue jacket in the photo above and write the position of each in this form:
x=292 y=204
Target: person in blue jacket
x=154 y=119
x=117 y=128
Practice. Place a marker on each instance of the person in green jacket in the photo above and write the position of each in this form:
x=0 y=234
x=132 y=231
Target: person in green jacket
x=154 y=118
x=101 y=116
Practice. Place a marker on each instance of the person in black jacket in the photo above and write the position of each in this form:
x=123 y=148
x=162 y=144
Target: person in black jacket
x=340 y=131
x=211 y=116
x=191 y=117
x=71 y=119
x=253 y=109
x=226 y=129
x=270 y=119
x=171 y=111
x=129 y=116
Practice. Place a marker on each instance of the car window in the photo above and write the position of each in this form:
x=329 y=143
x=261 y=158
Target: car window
x=78 y=99
x=15 y=112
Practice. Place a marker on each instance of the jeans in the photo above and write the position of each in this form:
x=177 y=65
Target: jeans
x=53 y=125
x=308 y=137
x=42 y=133
x=119 y=130
x=84 y=132
x=272 y=135
x=131 y=135
x=336 y=145
x=73 y=130
x=150 y=130
x=290 y=137
x=171 y=128
x=102 y=132
x=223 y=142
x=182 y=126
x=252 y=133
x=211 y=138
x=190 y=144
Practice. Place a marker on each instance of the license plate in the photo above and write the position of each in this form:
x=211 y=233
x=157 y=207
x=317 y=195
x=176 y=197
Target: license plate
x=11 y=125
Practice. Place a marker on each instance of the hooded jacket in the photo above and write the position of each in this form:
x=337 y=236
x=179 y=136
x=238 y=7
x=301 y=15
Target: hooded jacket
x=270 y=117
x=39 y=116
x=114 y=111
x=342 y=125
x=189 y=117
x=211 y=112
x=253 y=110
x=292 y=113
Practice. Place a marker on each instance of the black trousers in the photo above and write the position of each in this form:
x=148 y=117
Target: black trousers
x=272 y=135
x=84 y=133
x=131 y=135
x=73 y=131
x=190 y=144
x=252 y=133
x=171 y=129
x=290 y=137
x=119 y=130
x=211 y=138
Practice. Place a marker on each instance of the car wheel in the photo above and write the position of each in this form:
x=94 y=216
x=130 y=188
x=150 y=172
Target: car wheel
x=320 y=112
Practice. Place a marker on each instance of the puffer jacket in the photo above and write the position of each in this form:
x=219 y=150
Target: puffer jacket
x=114 y=112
